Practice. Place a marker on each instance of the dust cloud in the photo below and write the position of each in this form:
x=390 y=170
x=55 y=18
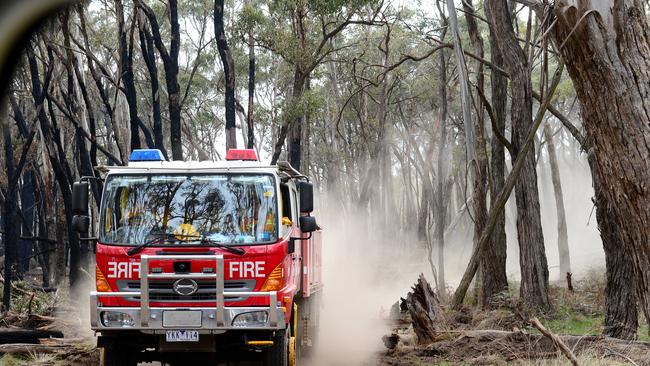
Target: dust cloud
x=75 y=311
x=364 y=272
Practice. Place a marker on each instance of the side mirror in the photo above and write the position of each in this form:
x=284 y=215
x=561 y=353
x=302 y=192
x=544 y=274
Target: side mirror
x=306 y=191
x=80 y=223
x=80 y=198
x=308 y=224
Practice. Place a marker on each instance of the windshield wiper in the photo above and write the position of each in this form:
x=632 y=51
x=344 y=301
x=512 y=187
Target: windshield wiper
x=228 y=248
x=157 y=238
x=171 y=236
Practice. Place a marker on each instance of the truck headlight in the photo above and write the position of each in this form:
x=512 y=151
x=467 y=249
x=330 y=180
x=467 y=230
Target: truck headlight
x=251 y=319
x=116 y=319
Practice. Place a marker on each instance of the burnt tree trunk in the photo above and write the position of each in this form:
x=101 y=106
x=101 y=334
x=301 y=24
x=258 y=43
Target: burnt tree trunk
x=170 y=64
x=532 y=257
x=422 y=304
x=562 y=235
x=251 y=90
x=9 y=216
x=292 y=128
x=607 y=58
x=149 y=56
x=56 y=154
x=126 y=68
x=229 y=74
x=495 y=280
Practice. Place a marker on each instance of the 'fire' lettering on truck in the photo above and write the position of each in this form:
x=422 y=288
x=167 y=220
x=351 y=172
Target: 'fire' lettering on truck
x=123 y=269
x=247 y=269
x=241 y=269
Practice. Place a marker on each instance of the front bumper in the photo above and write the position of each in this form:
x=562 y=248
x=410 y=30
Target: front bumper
x=213 y=319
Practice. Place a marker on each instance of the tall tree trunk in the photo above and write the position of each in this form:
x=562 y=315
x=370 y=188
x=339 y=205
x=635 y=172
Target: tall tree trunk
x=621 y=318
x=126 y=68
x=170 y=63
x=495 y=280
x=229 y=74
x=107 y=110
x=441 y=206
x=294 y=154
x=251 y=89
x=27 y=208
x=532 y=257
x=56 y=156
x=149 y=56
x=9 y=213
x=562 y=235
x=480 y=186
x=607 y=58
x=292 y=127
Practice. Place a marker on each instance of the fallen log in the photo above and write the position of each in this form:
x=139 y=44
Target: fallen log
x=12 y=335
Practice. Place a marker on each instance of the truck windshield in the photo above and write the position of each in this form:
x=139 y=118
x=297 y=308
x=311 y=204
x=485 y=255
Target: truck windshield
x=185 y=209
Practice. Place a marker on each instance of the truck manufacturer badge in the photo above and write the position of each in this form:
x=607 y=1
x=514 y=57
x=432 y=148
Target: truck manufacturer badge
x=185 y=287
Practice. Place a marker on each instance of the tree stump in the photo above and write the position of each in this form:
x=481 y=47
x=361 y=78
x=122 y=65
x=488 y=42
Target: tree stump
x=424 y=308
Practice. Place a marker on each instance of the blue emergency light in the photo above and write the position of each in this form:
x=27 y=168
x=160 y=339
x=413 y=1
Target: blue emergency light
x=146 y=155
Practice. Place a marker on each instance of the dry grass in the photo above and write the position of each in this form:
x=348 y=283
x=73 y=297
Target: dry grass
x=578 y=314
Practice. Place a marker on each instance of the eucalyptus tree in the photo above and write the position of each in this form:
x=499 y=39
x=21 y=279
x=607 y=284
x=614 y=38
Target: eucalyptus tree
x=301 y=31
x=532 y=256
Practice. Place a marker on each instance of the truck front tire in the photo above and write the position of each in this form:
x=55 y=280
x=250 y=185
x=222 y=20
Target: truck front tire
x=278 y=353
x=118 y=357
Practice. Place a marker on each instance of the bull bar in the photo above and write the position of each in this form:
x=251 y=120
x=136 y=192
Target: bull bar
x=218 y=318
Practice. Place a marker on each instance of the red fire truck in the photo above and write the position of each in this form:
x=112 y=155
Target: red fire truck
x=202 y=262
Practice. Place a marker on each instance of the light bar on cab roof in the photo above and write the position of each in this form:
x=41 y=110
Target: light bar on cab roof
x=242 y=154
x=146 y=155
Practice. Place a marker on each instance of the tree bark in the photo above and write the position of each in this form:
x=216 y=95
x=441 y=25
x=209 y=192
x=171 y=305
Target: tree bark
x=532 y=257
x=229 y=74
x=621 y=318
x=495 y=280
x=607 y=59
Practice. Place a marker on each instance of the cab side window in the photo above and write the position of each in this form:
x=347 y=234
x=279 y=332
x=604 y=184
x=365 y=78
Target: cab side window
x=286 y=202
x=294 y=203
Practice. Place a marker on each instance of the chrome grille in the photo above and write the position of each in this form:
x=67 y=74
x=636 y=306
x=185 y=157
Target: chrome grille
x=162 y=290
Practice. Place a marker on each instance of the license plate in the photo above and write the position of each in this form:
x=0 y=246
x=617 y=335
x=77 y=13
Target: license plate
x=182 y=336
x=182 y=319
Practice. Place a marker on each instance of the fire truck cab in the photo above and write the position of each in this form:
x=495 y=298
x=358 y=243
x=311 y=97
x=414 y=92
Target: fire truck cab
x=203 y=262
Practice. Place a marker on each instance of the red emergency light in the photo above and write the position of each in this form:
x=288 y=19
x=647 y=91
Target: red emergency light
x=242 y=154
